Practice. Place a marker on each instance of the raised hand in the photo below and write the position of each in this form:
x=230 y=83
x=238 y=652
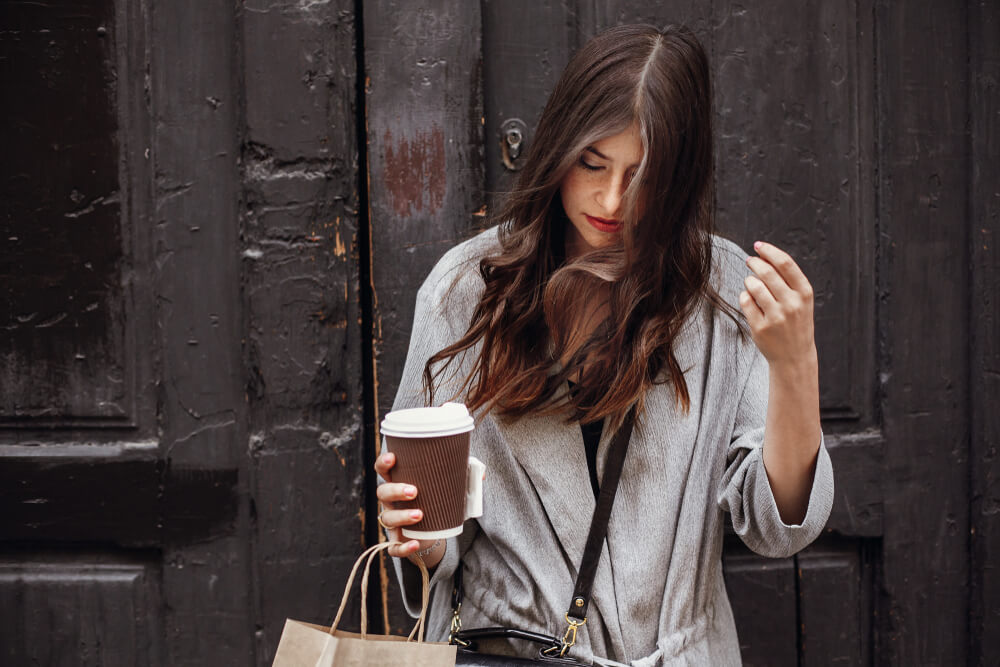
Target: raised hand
x=778 y=304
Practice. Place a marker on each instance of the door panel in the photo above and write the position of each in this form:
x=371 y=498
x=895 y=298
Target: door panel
x=835 y=595
x=766 y=612
x=67 y=612
x=65 y=358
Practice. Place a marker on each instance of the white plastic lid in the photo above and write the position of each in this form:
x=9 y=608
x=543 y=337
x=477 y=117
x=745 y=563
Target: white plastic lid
x=448 y=419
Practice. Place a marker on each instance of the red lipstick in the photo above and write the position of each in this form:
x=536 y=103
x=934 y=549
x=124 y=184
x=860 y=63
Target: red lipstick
x=602 y=225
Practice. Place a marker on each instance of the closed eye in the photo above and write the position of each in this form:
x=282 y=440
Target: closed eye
x=589 y=167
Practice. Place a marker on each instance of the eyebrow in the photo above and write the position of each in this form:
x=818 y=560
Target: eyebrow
x=605 y=157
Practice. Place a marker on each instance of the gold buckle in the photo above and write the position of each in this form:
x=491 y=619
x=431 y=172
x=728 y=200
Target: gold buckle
x=456 y=626
x=569 y=637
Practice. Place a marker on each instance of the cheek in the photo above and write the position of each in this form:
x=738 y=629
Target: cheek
x=571 y=189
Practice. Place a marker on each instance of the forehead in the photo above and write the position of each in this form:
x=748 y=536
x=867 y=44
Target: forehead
x=624 y=147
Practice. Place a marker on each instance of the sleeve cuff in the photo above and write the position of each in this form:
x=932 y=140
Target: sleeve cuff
x=761 y=527
x=408 y=576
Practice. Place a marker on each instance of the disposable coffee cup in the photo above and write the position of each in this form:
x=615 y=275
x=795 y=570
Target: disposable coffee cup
x=432 y=453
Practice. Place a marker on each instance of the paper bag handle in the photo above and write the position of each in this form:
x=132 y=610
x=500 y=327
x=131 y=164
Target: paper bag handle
x=368 y=555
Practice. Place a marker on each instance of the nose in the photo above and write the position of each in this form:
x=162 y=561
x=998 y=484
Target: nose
x=610 y=197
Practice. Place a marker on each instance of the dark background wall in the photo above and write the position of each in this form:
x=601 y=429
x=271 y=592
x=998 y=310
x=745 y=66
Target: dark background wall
x=214 y=220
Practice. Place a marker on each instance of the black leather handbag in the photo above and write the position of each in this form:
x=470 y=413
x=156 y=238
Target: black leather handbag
x=552 y=649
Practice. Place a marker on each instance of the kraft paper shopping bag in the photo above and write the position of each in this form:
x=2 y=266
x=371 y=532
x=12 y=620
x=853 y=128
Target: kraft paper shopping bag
x=308 y=645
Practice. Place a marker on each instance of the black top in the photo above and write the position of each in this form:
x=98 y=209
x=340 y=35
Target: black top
x=591 y=439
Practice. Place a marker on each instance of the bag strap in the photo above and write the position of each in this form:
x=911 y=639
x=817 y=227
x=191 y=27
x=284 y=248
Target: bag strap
x=577 y=614
x=602 y=514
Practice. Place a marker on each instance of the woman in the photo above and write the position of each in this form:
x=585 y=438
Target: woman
x=603 y=287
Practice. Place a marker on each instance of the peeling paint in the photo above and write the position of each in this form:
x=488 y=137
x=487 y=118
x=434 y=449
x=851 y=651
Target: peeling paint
x=345 y=436
x=256 y=443
x=415 y=174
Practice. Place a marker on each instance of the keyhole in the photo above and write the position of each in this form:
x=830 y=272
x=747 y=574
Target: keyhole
x=514 y=142
x=512 y=134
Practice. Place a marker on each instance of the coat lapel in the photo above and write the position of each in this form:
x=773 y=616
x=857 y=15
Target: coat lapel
x=551 y=452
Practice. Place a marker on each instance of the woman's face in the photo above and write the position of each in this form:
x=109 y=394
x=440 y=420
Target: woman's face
x=592 y=191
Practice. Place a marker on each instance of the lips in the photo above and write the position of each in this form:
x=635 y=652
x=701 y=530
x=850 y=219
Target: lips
x=602 y=225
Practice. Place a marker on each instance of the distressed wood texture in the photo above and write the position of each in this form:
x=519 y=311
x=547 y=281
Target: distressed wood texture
x=63 y=612
x=423 y=111
x=300 y=275
x=766 y=609
x=194 y=156
x=984 y=197
x=64 y=358
x=923 y=178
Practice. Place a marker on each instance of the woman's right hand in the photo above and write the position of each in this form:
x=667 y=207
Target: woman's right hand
x=393 y=519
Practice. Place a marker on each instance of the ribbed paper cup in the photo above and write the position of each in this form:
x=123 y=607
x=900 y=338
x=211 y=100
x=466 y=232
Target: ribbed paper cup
x=432 y=453
x=437 y=467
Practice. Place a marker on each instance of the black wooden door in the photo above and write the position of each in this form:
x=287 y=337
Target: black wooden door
x=214 y=218
x=123 y=527
x=180 y=407
x=840 y=136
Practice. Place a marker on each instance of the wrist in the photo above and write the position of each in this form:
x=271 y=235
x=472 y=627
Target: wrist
x=429 y=549
x=801 y=367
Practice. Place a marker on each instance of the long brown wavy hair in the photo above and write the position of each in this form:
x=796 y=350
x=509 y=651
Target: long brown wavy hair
x=648 y=284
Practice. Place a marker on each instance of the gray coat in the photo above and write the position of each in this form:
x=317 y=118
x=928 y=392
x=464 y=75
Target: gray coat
x=659 y=597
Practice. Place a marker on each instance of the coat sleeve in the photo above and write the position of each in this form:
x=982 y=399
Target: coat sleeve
x=440 y=317
x=745 y=491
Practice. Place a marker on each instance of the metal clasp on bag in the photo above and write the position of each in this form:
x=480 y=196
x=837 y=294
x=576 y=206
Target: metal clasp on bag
x=456 y=627
x=569 y=638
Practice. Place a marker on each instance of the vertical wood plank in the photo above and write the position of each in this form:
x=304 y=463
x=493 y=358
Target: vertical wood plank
x=424 y=116
x=526 y=45
x=924 y=276
x=762 y=594
x=303 y=333
x=196 y=190
x=984 y=197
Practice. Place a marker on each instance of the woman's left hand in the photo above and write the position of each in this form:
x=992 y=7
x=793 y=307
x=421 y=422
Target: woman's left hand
x=778 y=304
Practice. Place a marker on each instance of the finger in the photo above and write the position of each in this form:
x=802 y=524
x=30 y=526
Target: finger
x=396 y=518
x=752 y=311
x=769 y=275
x=393 y=492
x=384 y=463
x=761 y=295
x=785 y=265
x=404 y=549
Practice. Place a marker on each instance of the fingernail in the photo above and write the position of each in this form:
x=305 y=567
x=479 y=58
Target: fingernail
x=757 y=245
x=415 y=514
x=410 y=491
